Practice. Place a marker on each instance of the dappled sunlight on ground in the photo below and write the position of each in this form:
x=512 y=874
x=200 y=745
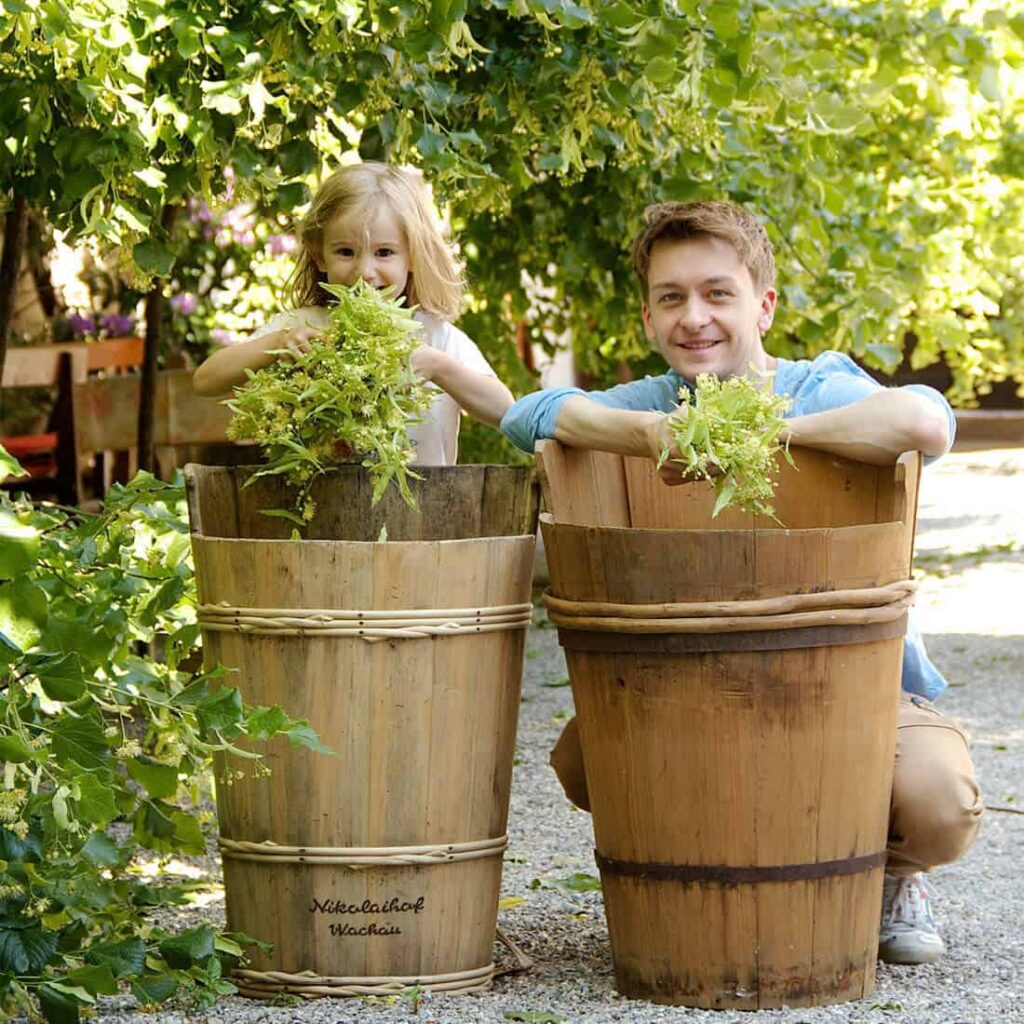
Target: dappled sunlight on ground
x=970 y=544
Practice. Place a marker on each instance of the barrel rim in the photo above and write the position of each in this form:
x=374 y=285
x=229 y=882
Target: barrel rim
x=212 y=538
x=547 y=520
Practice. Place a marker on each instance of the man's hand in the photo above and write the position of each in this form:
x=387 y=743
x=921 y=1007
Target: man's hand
x=659 y=435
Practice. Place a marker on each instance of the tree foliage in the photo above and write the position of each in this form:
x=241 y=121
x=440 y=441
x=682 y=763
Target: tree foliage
x=107 y=751
x=879 y=141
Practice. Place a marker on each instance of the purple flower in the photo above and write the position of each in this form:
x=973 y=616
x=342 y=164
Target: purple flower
x=118 y=325
x=200 y=212
x=281 y=245
x=81 y=326
x=223 y=336
x=184 y=303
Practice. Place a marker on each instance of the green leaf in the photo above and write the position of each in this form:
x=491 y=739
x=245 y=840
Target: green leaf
x=26 y=950
x=188 y=835
x=59 y=1006
x=153 y=257
x=19 y=546
x=661 y=70
x=101 y=850
x=81 y=740
x=266 y=722
x=14 y=749
x=430 y=142
x=95 y=803
x=302 y=735
x=125 y=958
x=298 y=158
x=619 y=15
x=60 y=675
x=154 y=824
x=221 y=710
x=579 y=881
x=14 y=849
x=189 y=947
x=23 y=610
x=9 y=466
x=155 y=988
x=97 y=979
x=159 y=780
x=988 y=83
x=723 y=494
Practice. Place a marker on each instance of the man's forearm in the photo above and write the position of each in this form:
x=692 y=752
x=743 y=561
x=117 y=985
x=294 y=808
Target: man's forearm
x=877 y=429
x=586 y=424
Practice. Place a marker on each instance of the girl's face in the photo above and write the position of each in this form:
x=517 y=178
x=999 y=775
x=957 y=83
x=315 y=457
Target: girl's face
x=372 y=248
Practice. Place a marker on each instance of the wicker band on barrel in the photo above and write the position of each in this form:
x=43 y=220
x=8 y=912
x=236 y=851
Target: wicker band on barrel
x=869 y=606
x=309 y=985
x=726 y=874
x=362 y=856
x=376 y=624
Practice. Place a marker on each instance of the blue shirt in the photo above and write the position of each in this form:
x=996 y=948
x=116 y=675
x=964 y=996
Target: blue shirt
x=829 y=381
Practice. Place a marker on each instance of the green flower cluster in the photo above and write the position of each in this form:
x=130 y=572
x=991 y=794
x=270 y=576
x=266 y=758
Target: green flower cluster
x=728 y=431
x=352 y=393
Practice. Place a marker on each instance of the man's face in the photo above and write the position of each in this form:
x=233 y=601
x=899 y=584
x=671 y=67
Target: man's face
x=703 y=308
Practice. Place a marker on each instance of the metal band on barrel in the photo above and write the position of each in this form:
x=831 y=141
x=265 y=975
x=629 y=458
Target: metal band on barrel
x=374 y=624
x=728 y=875
x=272 y=853
x=310 y=985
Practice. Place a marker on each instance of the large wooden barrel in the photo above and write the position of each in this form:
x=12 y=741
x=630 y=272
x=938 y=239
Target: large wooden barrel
x=375 y=868
x=736 y=685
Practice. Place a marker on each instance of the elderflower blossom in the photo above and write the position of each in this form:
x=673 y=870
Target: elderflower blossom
x=728 y=432
x=11 y=802
x=128 y=749
x=354 y=385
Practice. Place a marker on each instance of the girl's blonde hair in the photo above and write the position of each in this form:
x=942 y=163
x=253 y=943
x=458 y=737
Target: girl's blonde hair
x=435 y=277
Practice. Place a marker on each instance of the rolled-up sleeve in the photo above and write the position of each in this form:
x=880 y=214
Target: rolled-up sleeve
x=535 y=416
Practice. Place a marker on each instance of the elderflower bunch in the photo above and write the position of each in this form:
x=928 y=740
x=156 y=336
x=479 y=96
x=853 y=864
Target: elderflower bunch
x=352 y=391
x=728 y=431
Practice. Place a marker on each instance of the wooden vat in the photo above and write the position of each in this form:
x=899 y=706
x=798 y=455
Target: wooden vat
x=736 y=685
x=376 y=868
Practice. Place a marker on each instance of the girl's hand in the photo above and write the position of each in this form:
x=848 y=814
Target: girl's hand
x=296 y=341
x=423 y=362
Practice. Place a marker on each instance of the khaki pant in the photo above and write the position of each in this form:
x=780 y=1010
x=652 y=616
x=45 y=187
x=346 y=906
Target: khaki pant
x=936 y=804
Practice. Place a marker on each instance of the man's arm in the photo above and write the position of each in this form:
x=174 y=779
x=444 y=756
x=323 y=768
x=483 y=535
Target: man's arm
x=583 y=423
x=876 y=429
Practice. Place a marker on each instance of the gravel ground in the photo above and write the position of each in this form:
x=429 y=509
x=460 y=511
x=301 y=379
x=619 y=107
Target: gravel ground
x=971 y=559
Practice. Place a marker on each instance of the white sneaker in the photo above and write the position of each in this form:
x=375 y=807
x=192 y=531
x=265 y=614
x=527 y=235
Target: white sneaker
x=908 y=934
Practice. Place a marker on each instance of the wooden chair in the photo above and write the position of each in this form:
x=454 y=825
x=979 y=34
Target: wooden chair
x=49 y=457
x=106 y=416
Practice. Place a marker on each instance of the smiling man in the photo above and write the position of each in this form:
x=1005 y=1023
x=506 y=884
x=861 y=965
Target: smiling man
x=707 y=271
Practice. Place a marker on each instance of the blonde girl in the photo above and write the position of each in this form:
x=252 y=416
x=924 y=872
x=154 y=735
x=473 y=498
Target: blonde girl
x=378 y=222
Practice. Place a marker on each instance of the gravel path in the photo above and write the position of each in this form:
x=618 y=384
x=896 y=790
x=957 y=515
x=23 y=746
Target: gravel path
x=971 y=549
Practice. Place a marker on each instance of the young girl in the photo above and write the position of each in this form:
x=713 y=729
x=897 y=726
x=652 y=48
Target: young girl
x=377 y=222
